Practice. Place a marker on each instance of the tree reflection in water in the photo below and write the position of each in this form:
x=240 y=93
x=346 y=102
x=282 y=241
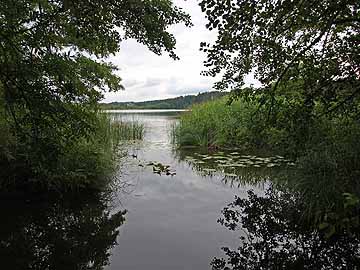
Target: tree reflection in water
x=67 y=233
x=275 y=237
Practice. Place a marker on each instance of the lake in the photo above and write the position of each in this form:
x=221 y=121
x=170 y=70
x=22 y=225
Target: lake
x=171 y=220
x=163 y=213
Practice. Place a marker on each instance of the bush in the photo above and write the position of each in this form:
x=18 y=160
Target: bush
x=84 y=162
x=216 y=124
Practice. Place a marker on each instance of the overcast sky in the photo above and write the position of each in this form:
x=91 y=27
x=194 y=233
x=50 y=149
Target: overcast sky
x=147 y=76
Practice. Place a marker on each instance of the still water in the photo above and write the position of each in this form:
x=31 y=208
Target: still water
x=171 y=220
x=163 y=213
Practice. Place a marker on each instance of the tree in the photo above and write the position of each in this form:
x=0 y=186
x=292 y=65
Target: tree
x=52 y=51
x=52 y=62
x=315 y=42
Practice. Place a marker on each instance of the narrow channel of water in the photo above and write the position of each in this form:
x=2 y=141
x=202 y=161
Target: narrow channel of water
x=172 y=220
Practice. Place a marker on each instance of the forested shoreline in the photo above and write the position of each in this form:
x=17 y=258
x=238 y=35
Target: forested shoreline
x=181 y=102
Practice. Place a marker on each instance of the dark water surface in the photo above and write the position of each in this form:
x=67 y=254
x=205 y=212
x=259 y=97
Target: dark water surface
x=173 y=199
x=171 y=220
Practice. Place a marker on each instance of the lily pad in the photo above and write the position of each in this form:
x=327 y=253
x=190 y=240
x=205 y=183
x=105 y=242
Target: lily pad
x=270 y=165
x=291 y=164
x=199 y=162
x=239 y=165
x=230 y=175
x=209 y=170
x=220 y=157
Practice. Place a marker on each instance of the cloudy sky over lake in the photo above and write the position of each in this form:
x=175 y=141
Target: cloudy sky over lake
x=147 y=76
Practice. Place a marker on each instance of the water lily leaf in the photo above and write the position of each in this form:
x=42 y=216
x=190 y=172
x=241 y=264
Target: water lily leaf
x=291 y=164
x=239 y=165
x=199 y=162
x=208 y=170
x=219 y=157
x=270 y=165
x=230 y=175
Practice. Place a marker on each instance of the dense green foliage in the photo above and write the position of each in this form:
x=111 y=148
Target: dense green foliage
x=181 y=102
x=86 y=162
x=312 y=41
x=214 y=124
x=53 y=74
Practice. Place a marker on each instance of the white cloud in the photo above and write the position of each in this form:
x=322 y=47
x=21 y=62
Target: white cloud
x=147 y=76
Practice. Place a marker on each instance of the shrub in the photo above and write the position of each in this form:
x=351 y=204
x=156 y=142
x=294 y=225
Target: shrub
x=86 y=161
x=216 y=124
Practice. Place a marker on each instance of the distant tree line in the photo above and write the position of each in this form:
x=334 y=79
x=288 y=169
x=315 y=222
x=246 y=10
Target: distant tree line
x=181 y=102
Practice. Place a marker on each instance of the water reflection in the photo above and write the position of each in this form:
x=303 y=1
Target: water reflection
x=277 y=237
x=75 y=232
x=233 y=168
x=172 y=219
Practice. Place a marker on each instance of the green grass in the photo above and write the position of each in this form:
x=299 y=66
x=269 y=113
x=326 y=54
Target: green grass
x=84 y=162
x=215 y=124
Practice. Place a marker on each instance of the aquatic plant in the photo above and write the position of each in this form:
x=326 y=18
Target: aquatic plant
x=129 y=130
x=235 y=167
x=160 y=169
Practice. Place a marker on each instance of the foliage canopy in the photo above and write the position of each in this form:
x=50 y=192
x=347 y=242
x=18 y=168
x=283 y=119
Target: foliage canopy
x=53 y=68
x=312 y=41
x=51 y=52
